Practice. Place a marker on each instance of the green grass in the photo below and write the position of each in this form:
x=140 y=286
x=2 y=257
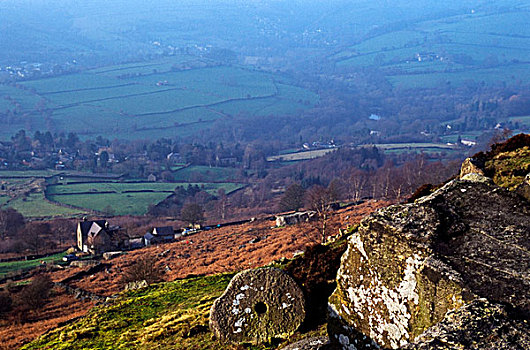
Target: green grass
x=172 y=315
x=519 y=72
x=465 y=43
x=140 y=100
x=291 y=157
x=26 y=99
x=27 y=173
x=121 y=201
x=160 y=316
x=111 y=186
x=13 y=266
x=35 y=206
x=202 y=173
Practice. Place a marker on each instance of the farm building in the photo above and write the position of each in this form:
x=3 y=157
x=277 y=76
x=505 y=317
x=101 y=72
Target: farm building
x=159 y=235
x=98 y=236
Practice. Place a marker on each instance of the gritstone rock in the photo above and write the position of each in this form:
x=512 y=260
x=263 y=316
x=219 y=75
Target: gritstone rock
x=469 y=166
x=407 y=265
x=258 y=305
x=479 y=325
x=524 y=188
x=315 y=343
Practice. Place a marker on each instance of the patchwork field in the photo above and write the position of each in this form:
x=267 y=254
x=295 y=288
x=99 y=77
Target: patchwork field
x=123 y=198
x=169 y=97
x=75 y=195
x=477 y=46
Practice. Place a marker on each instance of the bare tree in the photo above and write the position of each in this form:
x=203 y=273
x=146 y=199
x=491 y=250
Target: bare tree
x=33 y=233
x=320 y=199
x=356 y=184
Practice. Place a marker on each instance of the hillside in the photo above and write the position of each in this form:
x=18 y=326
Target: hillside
x=445 y=270
x=222 y=250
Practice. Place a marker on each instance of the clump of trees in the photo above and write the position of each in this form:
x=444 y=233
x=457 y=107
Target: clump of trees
x=293 y=198
x=34 y=237
x=192 y=213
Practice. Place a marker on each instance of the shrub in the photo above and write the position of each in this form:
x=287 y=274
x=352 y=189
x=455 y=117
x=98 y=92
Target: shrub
x=145 y=268
x=35 y=295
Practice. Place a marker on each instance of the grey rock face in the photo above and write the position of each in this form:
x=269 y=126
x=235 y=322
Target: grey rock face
x=479 y=325
x=407 y=265
x=258 y=305
x=315 y=343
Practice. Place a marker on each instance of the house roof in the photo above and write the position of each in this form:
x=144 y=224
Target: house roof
x=163 y=231
x=148 y=236
x=87 y=225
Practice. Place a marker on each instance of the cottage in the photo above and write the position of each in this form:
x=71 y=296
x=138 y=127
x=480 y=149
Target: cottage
x=98 y=236
x=159 y=235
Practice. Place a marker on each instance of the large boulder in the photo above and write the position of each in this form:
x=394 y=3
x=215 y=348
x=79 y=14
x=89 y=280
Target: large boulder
x=407 y=265
x=257 y=306
x=479 y=325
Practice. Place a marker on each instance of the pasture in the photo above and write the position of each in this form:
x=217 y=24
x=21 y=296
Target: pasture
x=174 y=96
x=201 y=173
x=13 y=266
x=123 y=198
x=478 y=46
x=291 y=157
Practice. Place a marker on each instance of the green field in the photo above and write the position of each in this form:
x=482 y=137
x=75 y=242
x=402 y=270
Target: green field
x=204 y=173
x=174 y=96
x=480 y=47
x=35 y=205
x=9 y=267
x=8 y=174
x=296 y=156
x=123 y=198
x=121 y=204
x=96 y=187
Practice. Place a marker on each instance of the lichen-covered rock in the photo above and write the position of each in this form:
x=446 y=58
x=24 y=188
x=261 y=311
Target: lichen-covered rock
x=469 y=166
x=314 y=343
x=477 y=326
x=257 y=306
x=524 y=188
x=407 y=265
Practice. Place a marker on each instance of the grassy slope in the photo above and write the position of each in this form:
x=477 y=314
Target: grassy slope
x=172 y=315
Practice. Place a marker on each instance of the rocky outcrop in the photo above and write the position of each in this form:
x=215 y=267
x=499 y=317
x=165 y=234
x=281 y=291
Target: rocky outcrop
x=257 y=306
x=407 y=265
x=315 y=343
x=506 y=163
x=295 y=218
x=524 y=189
x=470 y=167
x=479 y=325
